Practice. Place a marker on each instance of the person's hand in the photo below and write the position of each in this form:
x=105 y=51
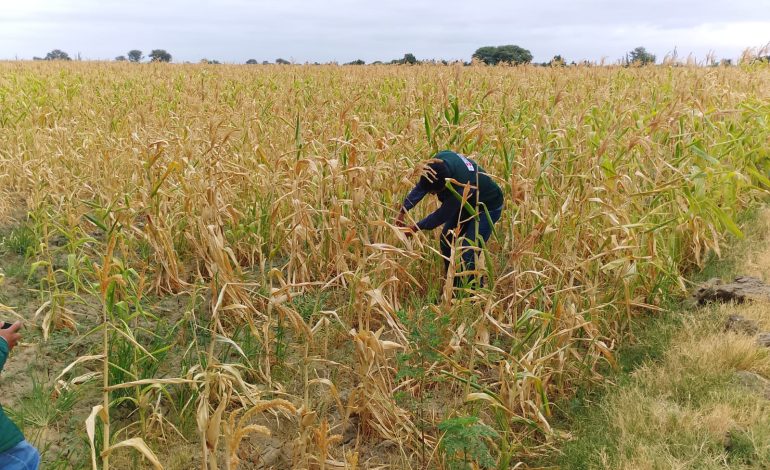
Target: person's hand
x=400 y=219
x=11 y=335
x=410 y=231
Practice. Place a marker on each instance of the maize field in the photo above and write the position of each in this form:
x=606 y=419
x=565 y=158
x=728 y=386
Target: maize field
x=214 y=247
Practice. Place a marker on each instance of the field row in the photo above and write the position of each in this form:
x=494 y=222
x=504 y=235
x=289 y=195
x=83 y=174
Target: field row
x=228 y=233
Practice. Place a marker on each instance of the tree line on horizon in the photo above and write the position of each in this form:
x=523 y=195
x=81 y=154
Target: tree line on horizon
x=508 y=54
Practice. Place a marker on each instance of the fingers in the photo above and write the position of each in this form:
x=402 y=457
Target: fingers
x=11 y=335
x=16 y=326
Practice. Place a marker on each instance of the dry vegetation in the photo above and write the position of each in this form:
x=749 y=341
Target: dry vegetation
x=702 y=402
x=224 y=232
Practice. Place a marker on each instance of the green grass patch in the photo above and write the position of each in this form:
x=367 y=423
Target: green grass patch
x=668 y=418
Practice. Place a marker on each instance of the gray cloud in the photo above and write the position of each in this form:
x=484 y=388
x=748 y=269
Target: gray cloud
x=343 y=30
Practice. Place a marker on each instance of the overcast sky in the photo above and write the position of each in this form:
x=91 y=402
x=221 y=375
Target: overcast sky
x=344 y=30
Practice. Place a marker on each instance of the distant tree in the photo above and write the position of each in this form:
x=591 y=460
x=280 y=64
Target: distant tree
x=282 y=61
x=486 y=54
x=726 y=62
x=513 y=55
x=510 y=54
x=135 y=55
x=210 y=62
x=120 y=58
x=640 y=56
x=377 y=62
x=159 y=55
x=408 y=58
x=265 y=62
x=557 y=61
x=37 y=58
x=252 y=62
x=57 y=54
x=356 y=62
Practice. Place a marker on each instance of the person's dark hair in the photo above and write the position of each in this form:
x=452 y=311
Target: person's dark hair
x=434 y=176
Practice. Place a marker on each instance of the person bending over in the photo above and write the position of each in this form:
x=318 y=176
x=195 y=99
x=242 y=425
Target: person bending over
x=448 y=175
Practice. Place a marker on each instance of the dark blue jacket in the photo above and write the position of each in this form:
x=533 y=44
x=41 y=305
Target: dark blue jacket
x=466 y=171
x=9 y=433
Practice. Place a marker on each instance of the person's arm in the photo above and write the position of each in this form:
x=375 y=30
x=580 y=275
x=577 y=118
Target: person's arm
x=415 y=196
x=8 y=339
x=3 y=353
x=450 y=208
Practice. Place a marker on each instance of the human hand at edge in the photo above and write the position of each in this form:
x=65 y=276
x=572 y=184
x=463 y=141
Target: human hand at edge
x=11 y=335
x=399 y=222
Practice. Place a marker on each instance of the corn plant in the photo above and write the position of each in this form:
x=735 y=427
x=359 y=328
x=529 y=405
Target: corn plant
x=262 y=201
